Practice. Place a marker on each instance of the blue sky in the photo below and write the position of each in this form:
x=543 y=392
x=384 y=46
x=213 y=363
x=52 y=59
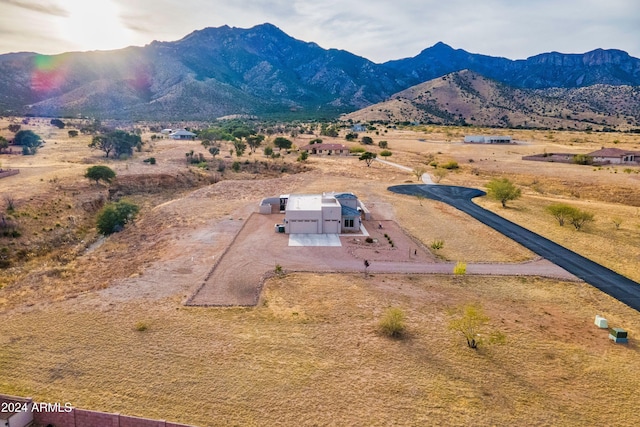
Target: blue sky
x=379 y=30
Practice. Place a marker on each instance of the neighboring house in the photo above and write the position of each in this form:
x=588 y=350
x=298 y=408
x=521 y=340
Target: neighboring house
x=487 y=139
x=327 y=213
x=615 y=156
x=327 y=149
x=182 y=134
x=358 y=128
x=166 y=131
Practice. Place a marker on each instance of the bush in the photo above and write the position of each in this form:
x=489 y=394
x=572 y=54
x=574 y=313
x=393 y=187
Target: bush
x=451 y=165
x=357 y=150
x=383 y=144
x=141 y=326
x=392 y=323
x=460 y=268
x=114 y=216
x=437 y=244
x=236 y=166
x=385 y=153
x=367 y=140
x=100 y=173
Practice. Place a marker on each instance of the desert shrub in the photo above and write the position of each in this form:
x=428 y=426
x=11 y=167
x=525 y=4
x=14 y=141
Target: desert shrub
x=561 y=212
x=582 y=159
x=367 y=140
x=236 y=166
x=357 y=150
x=385 y=153
x=460 y=268
x=303 y=156
x=278 y=269
x=471 y=321
x=369 y=239
x=383 y=144
x=114 y=216
x=451 y=165
x=437 y=244
x=392 y=322
x=141 y=326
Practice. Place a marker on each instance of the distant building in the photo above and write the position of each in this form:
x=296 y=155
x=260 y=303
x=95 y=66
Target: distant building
x=487 y=139
x=615 y=156
x=327 y=149
x=358 y=128
x=182 y=134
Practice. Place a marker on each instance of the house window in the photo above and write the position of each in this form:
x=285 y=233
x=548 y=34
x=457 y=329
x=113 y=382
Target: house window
x=348 y=223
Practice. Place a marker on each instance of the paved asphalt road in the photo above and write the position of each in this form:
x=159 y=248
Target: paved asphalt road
x=608 y=281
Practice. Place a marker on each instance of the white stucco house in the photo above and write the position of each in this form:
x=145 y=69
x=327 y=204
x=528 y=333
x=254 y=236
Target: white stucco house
x=327 y=213
x=615 y=156
x=182 y=134
x=487 y=139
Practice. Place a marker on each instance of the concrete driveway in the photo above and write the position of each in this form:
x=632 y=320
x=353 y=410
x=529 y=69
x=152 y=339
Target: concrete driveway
x=620 y=287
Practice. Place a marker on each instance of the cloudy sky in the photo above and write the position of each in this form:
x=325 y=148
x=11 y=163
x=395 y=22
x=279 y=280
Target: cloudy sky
x=379 y=30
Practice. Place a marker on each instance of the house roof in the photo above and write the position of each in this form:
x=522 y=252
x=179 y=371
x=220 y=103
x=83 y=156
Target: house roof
x=183 y=132
x=612 y=152
x=345 y=196
x=347 y=211
x=324 y=147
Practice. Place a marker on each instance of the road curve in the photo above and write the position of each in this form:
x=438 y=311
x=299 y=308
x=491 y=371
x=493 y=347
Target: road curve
x=608 y=281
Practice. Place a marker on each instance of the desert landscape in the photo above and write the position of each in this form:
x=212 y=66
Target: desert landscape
x=102 y=322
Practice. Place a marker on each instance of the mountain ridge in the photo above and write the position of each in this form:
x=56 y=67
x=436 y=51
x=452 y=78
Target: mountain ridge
x=261 y=71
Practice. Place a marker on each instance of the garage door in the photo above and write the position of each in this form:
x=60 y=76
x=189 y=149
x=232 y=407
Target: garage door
x=331 y=227
x=303 y=227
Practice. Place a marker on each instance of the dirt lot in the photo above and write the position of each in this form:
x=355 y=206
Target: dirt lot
x=100 y=323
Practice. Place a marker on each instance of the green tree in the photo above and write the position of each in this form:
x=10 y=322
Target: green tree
x=117 y=142
x=214 y=151
x=206 y=143
x=268 y=151
x=471 y=321
x=57 y=123
x=100 y=173
x=418 y=172
x=367 y=140
x=368 y=157
x=351 y=136
x=282 y=143
x=14 y=127
x=561 y=212
x=383 y=144
x=303 y=156
x=392 y=322
x=29 y=141
x=4 y=144
x=254 y=141
x=579 y=218
x=114 y=216
x=239 y=147
x=503 y=190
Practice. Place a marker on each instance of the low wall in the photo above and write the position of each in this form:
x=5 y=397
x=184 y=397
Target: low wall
x=9 y=172
x=59 y=415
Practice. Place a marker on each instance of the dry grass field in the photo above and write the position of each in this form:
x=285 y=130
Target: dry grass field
x=100 y=322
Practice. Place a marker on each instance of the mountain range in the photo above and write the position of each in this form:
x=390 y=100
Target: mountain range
x=262 y=71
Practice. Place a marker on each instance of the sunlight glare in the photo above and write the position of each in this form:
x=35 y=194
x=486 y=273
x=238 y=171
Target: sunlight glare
x=95 y=25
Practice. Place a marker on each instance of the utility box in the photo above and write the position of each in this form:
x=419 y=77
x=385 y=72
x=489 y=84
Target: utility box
x=279 y=228
x=618 y=335
x=601 y=322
